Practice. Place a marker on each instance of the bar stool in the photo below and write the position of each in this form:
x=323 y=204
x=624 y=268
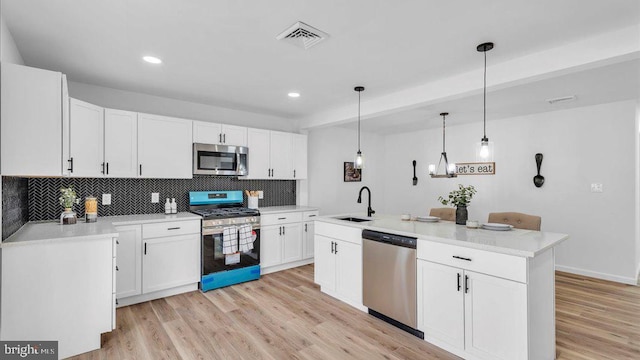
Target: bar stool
x=448 y=214
x=518 y=220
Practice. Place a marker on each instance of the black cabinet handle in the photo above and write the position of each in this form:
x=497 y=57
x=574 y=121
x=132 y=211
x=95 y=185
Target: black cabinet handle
x=283 y=218
x=461 y=258
x=312 y=215
x=466 y=284
x=283 y=229
x=174 y=228
x=220 y=138
x=116 y=301
x=224 y=138
x=107 y=168
x=459 y=286
x=336 y=249
x=280 y=230
x=305 y=227
x=332 y=247
x=294 y=174
x=117 y=242
x=145 y=248
x=117 y=268
x=70 y=161
x=140 y=169
x=103 y=168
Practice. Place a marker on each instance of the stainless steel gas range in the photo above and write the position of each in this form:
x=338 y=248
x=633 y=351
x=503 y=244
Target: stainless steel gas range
x=230 y=238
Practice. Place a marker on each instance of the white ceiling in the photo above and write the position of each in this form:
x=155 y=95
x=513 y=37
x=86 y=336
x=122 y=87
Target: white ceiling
x=225 y=52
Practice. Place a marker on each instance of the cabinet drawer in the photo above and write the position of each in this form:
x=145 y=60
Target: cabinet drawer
x=309 y=215
x=340 y=232
x=170 y=228
x=487 y=262
x=281 y=218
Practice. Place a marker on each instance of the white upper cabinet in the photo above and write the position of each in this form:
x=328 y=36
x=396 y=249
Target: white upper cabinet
x=164 y=147
x=86 y=139
x=299 y=156
x=276 y=155
x=281 y=155
x=212 y=133
x=120 y=143
x=31 y=127
x=234 y=135
x=258 y=142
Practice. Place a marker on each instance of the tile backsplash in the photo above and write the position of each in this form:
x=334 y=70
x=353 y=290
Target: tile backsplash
x=128 y=196
x=15 y=206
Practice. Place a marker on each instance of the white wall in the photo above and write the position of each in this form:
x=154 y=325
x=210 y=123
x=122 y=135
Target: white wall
x=329 y=148
x=132 y=101
x=638 y=187
x=581 y=146
x=8 y=49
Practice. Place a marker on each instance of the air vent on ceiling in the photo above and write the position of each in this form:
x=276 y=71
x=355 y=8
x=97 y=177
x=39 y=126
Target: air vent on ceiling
x=302 y=35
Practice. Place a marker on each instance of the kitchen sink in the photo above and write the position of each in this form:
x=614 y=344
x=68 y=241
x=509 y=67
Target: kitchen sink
x=353 y=219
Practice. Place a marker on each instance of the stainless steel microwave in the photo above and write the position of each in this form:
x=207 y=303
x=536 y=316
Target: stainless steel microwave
x=220 y=160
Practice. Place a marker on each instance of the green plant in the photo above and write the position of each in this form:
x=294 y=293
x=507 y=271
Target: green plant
x=460 y=197
x=68 y=197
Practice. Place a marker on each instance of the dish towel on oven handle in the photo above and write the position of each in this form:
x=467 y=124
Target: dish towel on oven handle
x=246 y=238
x=229 y=240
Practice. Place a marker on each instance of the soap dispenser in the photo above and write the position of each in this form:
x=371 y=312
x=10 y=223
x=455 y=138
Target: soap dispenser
x=167 y=207
x=174 y=206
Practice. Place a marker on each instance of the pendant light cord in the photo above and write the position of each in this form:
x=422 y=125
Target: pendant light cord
x=359 y=120
x=485 y=96
x=443 y=138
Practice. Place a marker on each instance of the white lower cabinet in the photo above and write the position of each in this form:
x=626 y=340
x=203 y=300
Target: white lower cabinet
x=308 y=233
x=170 y=261
x=129 y=261
x=482 y=305
x=338 y=262
x=281 y=241
x=157 y=260
x=58 y=290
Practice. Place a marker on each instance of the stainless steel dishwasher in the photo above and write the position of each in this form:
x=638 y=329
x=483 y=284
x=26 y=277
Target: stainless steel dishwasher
x=389 y=279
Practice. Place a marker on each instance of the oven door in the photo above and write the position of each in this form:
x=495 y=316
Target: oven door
x=220 y=160
x=213 y=260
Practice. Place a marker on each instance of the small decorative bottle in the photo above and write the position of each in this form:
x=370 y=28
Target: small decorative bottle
x=174 y=206
x=167 y=207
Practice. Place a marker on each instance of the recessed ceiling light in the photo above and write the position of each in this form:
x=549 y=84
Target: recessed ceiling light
x=294 y=94
x=152 y=59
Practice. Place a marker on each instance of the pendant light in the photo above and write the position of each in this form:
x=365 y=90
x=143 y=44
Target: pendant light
x=484 y=150
x=449 y=170
x=358 y=164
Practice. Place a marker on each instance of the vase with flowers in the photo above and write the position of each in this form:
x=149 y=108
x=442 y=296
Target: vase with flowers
x=67 y=199
x=460 y=198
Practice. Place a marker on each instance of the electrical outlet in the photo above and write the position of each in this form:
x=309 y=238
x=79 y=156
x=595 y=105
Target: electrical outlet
x=106 y=199
x=155 y=198
x=260 y=194
x=596 y=188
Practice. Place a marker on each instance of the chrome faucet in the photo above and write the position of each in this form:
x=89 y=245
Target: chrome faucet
x=370 y=211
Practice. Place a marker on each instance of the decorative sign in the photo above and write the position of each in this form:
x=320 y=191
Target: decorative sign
x=350 y=173
x=476 y=168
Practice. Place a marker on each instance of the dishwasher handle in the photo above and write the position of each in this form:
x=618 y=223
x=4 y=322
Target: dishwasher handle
x=391 y=239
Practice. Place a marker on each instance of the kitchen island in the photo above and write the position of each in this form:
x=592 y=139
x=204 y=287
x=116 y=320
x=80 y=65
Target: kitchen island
x=481 y=294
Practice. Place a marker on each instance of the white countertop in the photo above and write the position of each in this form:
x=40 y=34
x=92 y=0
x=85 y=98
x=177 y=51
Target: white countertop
x=50 y=231
x=527 y=243
x=286 y=208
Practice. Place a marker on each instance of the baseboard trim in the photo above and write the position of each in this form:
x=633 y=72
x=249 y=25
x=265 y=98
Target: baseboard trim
x=597 y=275
x=275 y=268
x=156 y=295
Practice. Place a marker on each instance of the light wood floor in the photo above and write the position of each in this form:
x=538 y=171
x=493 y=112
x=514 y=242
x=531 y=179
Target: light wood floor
x=285 y=316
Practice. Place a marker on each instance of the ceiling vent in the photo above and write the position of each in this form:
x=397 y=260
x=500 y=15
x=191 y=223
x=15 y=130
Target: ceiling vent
x=302 y=35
